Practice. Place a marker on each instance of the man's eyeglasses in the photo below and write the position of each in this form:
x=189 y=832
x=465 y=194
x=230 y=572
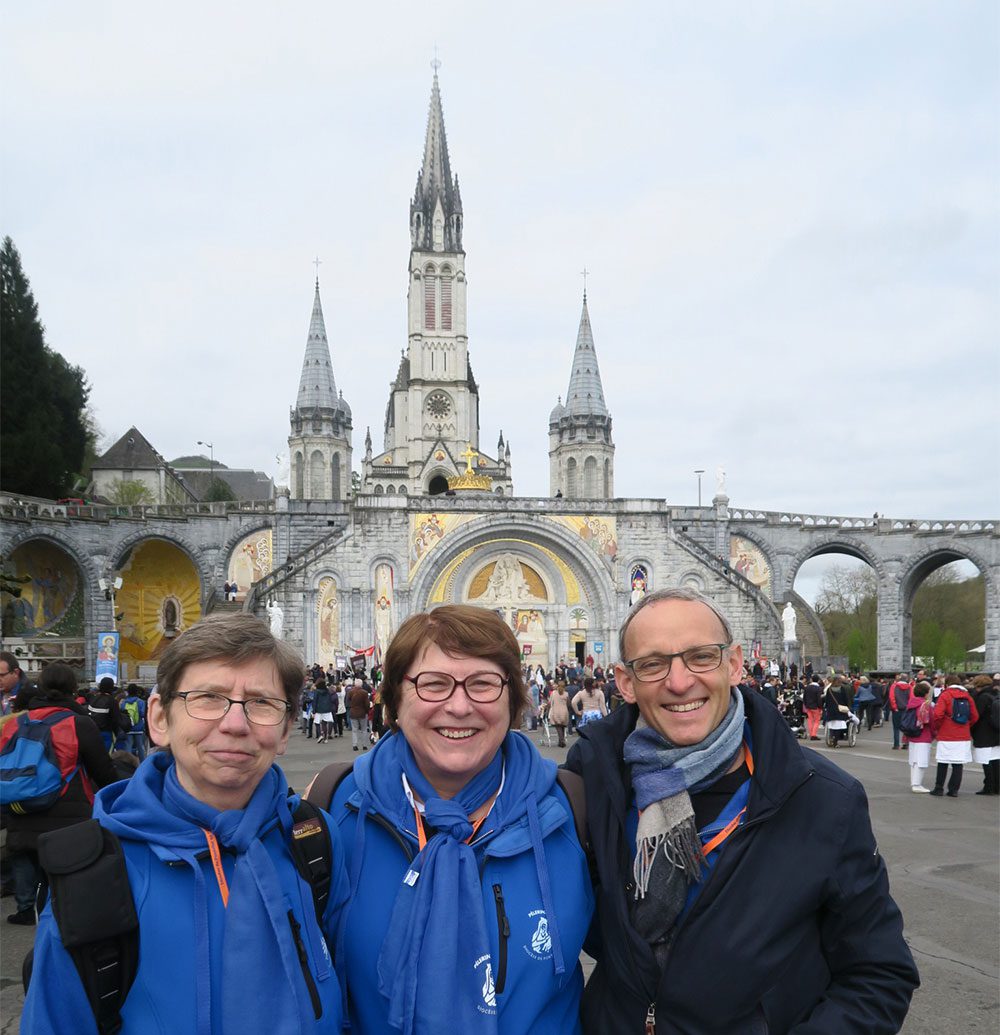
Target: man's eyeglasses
x=706 y=658
x=262 y=711
x=435 y=687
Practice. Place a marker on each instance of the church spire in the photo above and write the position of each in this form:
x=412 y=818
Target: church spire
x=436 y=209
x=317 y=387
x=585 y=394
x=581 y=449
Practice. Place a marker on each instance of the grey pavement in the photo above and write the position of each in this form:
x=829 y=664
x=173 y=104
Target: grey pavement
x=944 y=868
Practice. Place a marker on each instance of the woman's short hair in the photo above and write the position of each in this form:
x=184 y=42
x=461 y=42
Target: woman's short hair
x=456 y=629
x=922 y=689
x=235 y=638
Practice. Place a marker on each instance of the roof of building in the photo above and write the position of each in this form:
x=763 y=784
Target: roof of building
x=317 y=387
x=435 y=181
x=585 y=395
x=132 y=452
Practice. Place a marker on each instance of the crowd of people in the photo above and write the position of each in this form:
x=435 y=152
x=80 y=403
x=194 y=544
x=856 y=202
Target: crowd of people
x=450 y=876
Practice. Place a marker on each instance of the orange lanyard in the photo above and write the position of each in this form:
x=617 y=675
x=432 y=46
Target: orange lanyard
x=735 y=821
x=422 y=835
x=220 y=876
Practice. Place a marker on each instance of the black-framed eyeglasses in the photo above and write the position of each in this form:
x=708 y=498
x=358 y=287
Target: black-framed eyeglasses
x=705 y=658
x=435 y=687
x=261 y=711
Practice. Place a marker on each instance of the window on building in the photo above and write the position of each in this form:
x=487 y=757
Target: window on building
x=571 y=478
x=430 y=304
x=590 y=478
x=446 y=280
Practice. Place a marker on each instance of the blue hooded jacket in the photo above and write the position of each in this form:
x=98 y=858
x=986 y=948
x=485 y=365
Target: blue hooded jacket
x=205 y=967
x=530 y=997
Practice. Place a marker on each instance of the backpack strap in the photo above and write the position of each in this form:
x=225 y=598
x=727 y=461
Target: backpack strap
x=312 y=852
x=325 y=783
x=572 y=786
x=93 y=907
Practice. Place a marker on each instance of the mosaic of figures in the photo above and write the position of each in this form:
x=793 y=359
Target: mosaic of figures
x=251 y=560
x=385 y=609
x=638 y=581
x=328 y=620
x=599 y=533
x=427 y=530
x=748 y=559
x=50 y=600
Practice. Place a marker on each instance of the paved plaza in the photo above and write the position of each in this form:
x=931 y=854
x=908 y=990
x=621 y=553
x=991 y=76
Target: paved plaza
x=942 y=855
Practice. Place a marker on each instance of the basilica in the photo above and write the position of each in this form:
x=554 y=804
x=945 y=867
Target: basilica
x=436 y=518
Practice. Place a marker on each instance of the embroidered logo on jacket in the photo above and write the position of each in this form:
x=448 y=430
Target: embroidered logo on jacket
x=540 y=947
x=488 y=988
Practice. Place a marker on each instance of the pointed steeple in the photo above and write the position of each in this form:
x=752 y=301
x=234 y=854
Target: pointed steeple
x=317 y=388
x=585 y=394
x=436 y=186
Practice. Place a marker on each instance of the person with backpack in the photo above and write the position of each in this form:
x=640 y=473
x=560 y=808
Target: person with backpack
x=218 y=896
x=986 y=733
x=899 y=699
x=470 y=890
x=103 y=709
x=61 y=747
x=954 y=716
x=133 y=707
x=917 y=725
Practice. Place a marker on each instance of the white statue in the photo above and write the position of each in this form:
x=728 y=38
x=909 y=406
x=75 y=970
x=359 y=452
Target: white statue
x=788 y=621
x=507 y=583
x=720 y=481
x=276 y=617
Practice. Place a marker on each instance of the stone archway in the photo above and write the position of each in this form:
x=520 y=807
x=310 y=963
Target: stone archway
x=926 y=564
x=555 y=555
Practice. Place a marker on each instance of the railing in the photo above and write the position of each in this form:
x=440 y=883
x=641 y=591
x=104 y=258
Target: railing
x=879 y=524
x=263 y=587
x=726 y=571
x=21 y=509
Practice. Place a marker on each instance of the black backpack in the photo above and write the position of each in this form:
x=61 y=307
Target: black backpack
x=93 y=906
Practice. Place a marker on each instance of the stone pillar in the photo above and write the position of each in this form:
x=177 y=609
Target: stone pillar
x=720 y=503
x=893 y=647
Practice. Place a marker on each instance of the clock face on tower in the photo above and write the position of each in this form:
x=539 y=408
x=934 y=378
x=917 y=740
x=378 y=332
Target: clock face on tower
x=438 y=405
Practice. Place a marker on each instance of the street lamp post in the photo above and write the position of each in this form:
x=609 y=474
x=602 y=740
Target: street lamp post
x=211 y=463
x=700 y=471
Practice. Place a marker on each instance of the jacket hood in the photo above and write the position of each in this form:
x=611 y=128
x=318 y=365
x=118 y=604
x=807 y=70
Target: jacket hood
x=136 y=809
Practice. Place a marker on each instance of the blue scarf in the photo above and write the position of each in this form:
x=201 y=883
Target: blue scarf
x=438 y=929
x=153 y=808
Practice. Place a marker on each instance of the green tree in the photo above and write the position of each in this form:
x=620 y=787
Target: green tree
x=219 y=491
x=43 y=431
x=130 y=494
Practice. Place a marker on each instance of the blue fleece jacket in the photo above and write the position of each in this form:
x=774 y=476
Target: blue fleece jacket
x=185 y=929
x=531 y=999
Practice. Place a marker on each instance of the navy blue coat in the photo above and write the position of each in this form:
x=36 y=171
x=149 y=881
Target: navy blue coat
x=795 y=930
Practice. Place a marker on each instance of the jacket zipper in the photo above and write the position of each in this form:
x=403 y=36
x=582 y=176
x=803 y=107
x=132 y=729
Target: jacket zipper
x=304 y=963
x=503 y=926
x=651 y=1019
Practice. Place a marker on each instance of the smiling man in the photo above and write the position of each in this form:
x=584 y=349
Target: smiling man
x=740 y=888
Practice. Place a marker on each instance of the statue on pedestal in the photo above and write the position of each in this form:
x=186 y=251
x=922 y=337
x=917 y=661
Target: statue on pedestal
x=788 y=618
x=276 y=617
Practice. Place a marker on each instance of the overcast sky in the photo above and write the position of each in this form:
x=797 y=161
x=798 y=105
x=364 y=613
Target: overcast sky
x=789 y=211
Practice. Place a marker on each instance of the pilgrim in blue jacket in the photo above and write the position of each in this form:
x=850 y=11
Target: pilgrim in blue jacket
x=486 y=944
